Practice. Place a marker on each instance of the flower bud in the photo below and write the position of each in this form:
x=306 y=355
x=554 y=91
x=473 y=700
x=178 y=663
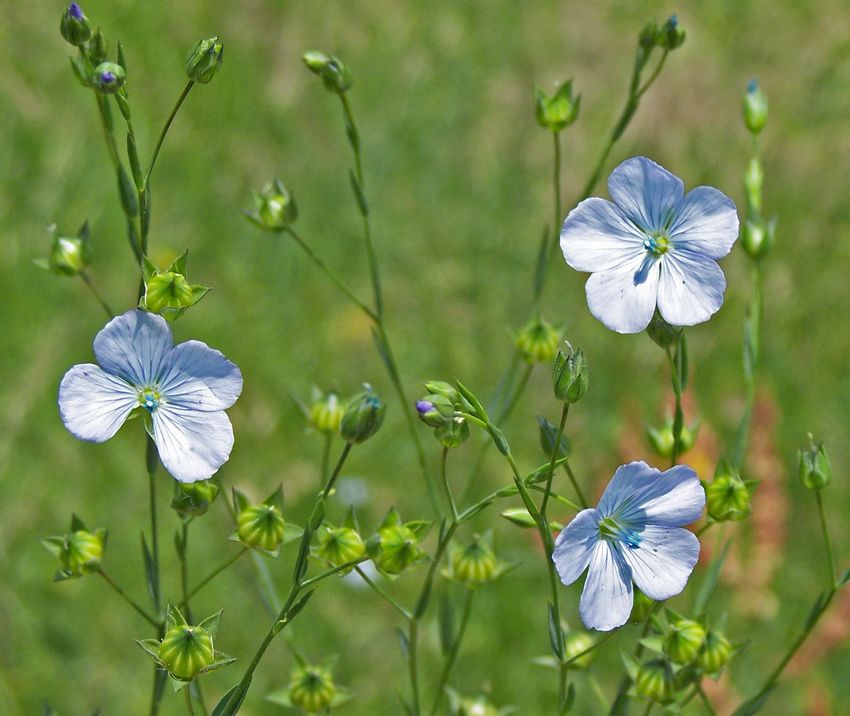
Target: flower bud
x=548 y=433
x=575 y=643
x=98 y=48
x=558 y=111
x=814 y=470
x=715 y=653
x=362 y=417
x=108 y=78
x=193 y=499
x=647 y=37
x=338 y=545
x=475 y=563
x=453 y=433
x=167 y=290
x=335 y=75
x=755 y=107
x=670 y=35
x=312 y=689
x=520 y=517
x=69 y=256
x=74 y=26
x=274 y=207
x=204 y=59
x=684 y=641
x=326 y=413
x=654 y=681
x=439 y=387
x=261 y=526
x=661 y=439
x=399 y=549
x=727 y=496
x=186 y=650
x=570 y=376
x=642 y=607
x=475 y=706
x=83 y=553
x=753 y=182
x=435 y=410
x=757 y=238
x=662 y=333
x=538 y=341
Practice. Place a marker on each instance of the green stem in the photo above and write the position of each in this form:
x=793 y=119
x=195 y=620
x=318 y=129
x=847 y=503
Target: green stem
x=326 y=456
x=127 y=598
x=833 y=580
x=184 y=571
x=383 y=595
x=165 y=128
x=152 y=459
x=653 y=76
x=188 y=698
x=648 y=708
x=575 y=484
x=451 y=657
x=212 y=575
x=565 y=411
x=446 y=486
x=752 y=329
x=705 y=702
x=519 y=389
x=412 y=664
x=622 y=696
x=677 y=378
x=104 y=305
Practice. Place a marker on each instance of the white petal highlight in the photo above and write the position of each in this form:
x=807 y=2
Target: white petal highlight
x=624 y=298
x=645 y=192
x=597 y=236
x=663 y=560
x=94 y=404
x=706 y=223
x=200 y=378
x=607 y=598
x=690 y=288
x=575 y=545
x=134 y=346
x=192 y=445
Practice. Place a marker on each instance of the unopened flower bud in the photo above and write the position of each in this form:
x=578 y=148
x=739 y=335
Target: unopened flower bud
x=538 y=341
x=69 y=256
x=558 y=111
x=98 y=48
x=453 y=433
x=475 y=563
x=167 y=290
x=661 y=439
x=274 y=207
x=647 y=37
x=684 y=641
x=814 y=468
x=569 y=376
x=204 y=59
x=727 y=496
x=655 y=681
x=755 y=107
x=338 y=545
x=548 y=433
x=74 y=26
x=186 y=650
x=670 y=35
x=753 y=182
x=335 y=75
x=715 y=653
x=519 y=516
x=757 y=238
x=261 y=526
x=193 y=499
x=575 y=643
x=662 y=333
x=312 y=689
x=363 y=415
x=641 y=608
x=439 y=387
x=326 y=413
x=399 y=548
x=108 y=78
x=83 y=553
x=435 y=410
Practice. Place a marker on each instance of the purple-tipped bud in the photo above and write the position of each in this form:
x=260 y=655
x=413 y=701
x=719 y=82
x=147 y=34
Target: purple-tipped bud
x=424 y=406
x=109 y=77
x=75 y=27
x=75 y=11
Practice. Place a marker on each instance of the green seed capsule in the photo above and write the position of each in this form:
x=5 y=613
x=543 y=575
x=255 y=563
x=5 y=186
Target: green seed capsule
x=715 y=653
x=185 y=650
x=261 y=526
x=654 y=681
x=312 y=689
x=684 y=641
x=339 y=545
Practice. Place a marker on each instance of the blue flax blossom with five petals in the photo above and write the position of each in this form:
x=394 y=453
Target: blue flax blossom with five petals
x=652 y=246
x=635 y=535
x=185 y=390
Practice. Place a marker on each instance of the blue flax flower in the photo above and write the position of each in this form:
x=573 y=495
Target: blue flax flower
x=652 y=246
x=635 y=535
x=184 y=390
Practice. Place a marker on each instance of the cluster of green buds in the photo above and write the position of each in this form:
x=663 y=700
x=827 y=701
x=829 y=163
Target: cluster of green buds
x=440 y=409
x=311 y=689
x=757 y=234
x=538 y=341
x=193 y=499
x=204 y=60
x=274 y=207
x=814 y=469
x=340 y=545
x=727 y=496
x=261 y=526
x=79 y=552
x=69 y=255
x=325 y=411
x=668 y=36
x=335 y=75
x=569 y=375
x=186 y=651
x=475 y=563
x=661 y=439
x=559 y=110
x=169 y=292
x=362 y=417
x=395 y=546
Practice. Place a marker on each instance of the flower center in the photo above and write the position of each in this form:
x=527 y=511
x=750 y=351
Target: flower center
x=149 y=399
x=610 y=530
x=657 y=243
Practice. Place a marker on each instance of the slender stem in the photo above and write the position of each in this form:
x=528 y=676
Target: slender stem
x=833 y=581
x=705 y=702
x=383 y=595
x=622 y=696
x=677 y=379
x=333 y=570
x=556 y=187
x=575 y=484
x=451 y=657
x=152 y=459
x=184 y=571
x=752 y=329
x=335 y=474
x=188 y=698
x=519 y=389
x=565 y=411
x=326 y=456
x=127 y=598
x=446 y=485
x=413 y=665
x=165 y=128
x=652 y=77
x=599 y=642
x=648 y=708
x=212 y=575
x=88 y=281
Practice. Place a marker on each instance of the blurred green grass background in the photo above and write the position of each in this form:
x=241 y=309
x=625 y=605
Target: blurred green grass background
x=458 y=176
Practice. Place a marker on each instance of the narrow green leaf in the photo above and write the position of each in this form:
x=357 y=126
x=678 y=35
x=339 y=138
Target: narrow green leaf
x=362 y=204
x=447 y=622
x=135 y=166
x=150 y=572
x=556 y=634
x=229 y=703
x=129 y=201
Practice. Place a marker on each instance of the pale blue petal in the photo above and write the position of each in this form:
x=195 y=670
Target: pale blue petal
x=94 y=404
x=191 y=444
x=624 y=298
x=629 y=482
x=607 y=598
x=706 y=223
x=646 y=193
x=134 y=346
x=690 y=289
x=597 y=236
x=662 y=561
x=575 y=544
x=200 y=378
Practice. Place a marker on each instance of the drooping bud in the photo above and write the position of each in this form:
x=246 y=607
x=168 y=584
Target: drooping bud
x=575 y=643
x=684 y=641
x=193 y=499
x=326 y=412
x=475 y=563
x=74 y=26
x=814 y=468
x=168 y=292
x=548 y=434
x=670 y=35
x=435 y=410
x=727 y=496
x=453 y=433
x=335 y=75
x=108 y=78
x=312 y=689
x=204 y=59
x=79 y=552
x=655 y=681
x=569 y=376
x=538 y=341
x=261 y=526
x=363 y=415
x=715 y=653
x=274 y=207
x=661 y=439
x=662 y=333
x=559 y=110
x=69 y=255
x=642 y=607
x=338 y=545
x=755 y=107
